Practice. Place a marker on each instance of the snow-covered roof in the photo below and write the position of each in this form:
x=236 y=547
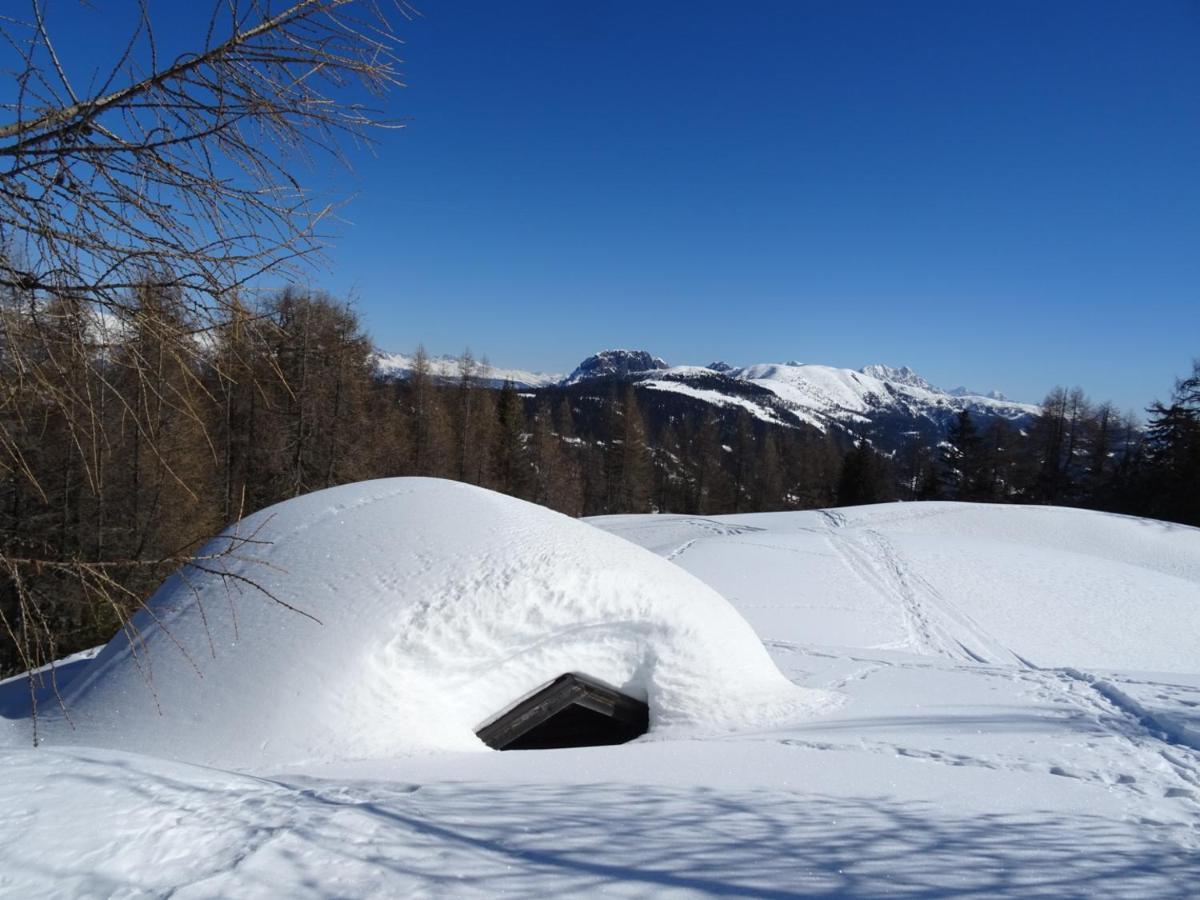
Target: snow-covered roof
x=438 y=604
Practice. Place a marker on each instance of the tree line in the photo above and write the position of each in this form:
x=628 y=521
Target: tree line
x=128 y=439
x=1073 y=453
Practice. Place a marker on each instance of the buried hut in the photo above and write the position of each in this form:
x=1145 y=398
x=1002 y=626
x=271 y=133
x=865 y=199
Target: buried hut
x=436 y=616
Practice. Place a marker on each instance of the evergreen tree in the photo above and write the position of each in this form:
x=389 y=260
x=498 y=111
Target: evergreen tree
x=816 y=465
x=917 y=472
x=1173 y=453
x=713 y=485
x=511 y=469
x=636 y=466
x=962 y=458
x=670 y=470
x=745 y=453
x=996 y=462
x=768 y=476
x=1045 y=470
x=865 y=477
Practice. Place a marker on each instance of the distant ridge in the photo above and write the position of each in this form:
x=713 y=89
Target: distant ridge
x=878 y=401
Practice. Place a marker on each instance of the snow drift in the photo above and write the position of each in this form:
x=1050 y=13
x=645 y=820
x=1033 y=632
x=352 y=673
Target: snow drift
x=439 y=604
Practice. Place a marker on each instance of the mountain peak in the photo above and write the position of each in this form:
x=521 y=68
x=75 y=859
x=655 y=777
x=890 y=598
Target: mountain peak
x=967 y=392
x=901 y=375
x=618 y=363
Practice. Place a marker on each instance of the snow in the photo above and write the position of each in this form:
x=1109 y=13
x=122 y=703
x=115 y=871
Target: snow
x=714 y=397
x=824 y=392
x=400 y=365
x=900 y=375
x=1020 y=719
x=998 y=584
x=816 y=395
x=48 y=680
x=432 y=606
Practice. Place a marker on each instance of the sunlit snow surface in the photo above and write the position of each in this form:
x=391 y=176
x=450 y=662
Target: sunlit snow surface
x=996 y=740
x=429 y=606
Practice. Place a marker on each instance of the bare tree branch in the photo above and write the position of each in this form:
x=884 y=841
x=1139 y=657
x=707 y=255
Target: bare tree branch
x=135 y=205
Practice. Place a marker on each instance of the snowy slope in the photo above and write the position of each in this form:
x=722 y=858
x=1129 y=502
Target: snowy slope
x=708 y=394
x=821 y=394
x=1048 y=770
x=999 y=584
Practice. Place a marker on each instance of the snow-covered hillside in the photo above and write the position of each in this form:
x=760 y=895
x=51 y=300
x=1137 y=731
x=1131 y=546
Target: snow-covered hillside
x=822 y=395
x=1020 y=717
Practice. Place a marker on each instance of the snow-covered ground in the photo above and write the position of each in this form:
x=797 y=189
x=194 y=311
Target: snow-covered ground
x=1019 y=716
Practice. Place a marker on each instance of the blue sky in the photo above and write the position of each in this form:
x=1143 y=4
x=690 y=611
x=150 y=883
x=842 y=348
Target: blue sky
x=1003 y=195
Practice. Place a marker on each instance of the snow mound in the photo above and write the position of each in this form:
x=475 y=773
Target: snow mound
x=439 y=604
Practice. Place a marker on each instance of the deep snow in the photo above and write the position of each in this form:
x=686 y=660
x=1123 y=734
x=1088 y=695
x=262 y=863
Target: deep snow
x=1052 y=586
x=430 y=606
x=993 y=742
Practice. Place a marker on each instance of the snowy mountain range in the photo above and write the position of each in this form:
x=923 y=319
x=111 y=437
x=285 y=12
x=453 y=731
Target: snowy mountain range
x=879 y=401
x=400 y=365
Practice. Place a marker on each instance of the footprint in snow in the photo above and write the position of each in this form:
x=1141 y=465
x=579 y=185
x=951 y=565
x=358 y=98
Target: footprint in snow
x=1065 y=773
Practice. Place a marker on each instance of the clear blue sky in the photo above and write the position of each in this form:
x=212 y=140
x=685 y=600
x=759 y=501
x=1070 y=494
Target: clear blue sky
x=998 y=194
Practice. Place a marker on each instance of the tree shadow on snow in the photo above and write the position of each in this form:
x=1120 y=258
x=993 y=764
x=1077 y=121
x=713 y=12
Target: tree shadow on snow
x=310 y=838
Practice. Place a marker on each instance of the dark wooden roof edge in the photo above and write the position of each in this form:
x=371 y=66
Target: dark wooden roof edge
x=552 y=699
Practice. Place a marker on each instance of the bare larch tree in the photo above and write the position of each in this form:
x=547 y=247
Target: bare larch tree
x=139 y=200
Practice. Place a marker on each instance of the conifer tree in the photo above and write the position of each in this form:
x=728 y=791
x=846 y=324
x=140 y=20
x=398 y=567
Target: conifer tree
x=768 y=476
x=962 y=458
x=510 y=457
x=1173 y=450
x=865 y=477
x=745 y=453
x=636 y=479
x=714 y=487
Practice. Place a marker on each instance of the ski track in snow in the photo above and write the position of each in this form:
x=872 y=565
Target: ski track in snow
x=1124 y=747
x=681 y=549
x=934 y=626
x=1172 y=766
x=1165 y=757
x=712 y=528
